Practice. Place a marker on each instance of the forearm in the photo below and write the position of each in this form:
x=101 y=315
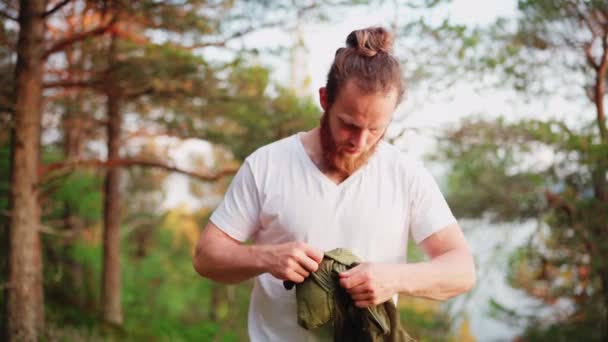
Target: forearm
x=443 y=277
x=221 y=258
x=229 y=264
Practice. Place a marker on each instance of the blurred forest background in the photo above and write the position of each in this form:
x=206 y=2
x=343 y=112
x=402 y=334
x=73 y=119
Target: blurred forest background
x=98 y=98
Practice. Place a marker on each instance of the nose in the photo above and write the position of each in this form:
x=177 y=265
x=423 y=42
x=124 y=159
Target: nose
x=360 y=138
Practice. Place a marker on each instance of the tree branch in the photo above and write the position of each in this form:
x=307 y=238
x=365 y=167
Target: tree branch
x=151 y=89
x=222 y=43
x=8 y=16
x=171 y=133
x=135 y=93
x=600 y=85
x=130 y=36
x=56 y=8
x=71 y=84
x=64 y=43
x=52 y=231
x=558 y=203
x=589 y=56
x=94 y=121
x=60 y=166
x=585 y=19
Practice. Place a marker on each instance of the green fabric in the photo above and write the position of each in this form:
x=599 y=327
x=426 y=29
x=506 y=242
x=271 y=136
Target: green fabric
x=322 y=302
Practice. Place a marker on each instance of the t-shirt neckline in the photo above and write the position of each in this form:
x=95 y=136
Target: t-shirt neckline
x=319 y=174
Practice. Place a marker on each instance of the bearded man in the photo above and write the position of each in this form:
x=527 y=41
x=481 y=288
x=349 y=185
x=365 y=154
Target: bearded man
x=339 y=185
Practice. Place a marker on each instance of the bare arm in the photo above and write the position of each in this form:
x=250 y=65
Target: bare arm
x=450 y=272
x=221 y=258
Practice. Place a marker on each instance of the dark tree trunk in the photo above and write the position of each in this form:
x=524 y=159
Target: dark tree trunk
x=111 y=290
x=75 y=130
x=73 y=146
x=112 y=310
x=25 y=304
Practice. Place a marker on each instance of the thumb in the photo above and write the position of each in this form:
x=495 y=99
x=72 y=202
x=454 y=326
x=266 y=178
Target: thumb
x=315 y=254
x=347 y=273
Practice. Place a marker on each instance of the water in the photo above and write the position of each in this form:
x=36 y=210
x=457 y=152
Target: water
x=492 y=245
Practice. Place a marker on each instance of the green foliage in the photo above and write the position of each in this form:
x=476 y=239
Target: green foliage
x=254 y=119
x=568 y=331
x=496 y=171
x=425 y=324
x=540 y=52
x=80 y=191
x=163 y=297
x=77 y=193
x=162 y=292
x=488 y=170
x=71 y=278
x=542 y=169
x=414 y=252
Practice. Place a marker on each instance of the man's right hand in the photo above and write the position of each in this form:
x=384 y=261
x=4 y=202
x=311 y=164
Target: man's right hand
x=291 y=261
x=222 y=258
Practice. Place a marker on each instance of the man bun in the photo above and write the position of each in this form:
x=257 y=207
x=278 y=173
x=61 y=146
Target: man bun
x=370 y=41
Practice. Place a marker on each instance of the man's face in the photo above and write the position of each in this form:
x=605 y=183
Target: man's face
x=353 y=126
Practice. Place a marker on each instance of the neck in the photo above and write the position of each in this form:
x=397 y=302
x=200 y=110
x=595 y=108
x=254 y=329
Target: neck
x=311 y=141
x=312 y=144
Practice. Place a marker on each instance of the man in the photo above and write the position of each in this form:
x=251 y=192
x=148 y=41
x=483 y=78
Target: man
x=338 y=185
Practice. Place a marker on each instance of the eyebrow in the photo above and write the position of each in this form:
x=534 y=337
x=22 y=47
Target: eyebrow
x=346 y=119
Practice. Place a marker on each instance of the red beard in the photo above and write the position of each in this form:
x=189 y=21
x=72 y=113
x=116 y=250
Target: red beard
x=333 y=156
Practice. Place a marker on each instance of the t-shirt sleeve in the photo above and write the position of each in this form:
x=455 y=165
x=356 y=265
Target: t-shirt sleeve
x=238 y=212
x=429 y=210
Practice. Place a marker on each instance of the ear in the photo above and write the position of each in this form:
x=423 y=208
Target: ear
x=323 y=98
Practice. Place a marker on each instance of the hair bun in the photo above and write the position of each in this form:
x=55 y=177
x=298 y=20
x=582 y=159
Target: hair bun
x=370 y=41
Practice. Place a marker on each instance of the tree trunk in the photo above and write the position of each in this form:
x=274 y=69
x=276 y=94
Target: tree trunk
x=111 y=287
x=74 y=143
x=75 y=129
x=25 y=304
x=604 y=284
x=112 y=309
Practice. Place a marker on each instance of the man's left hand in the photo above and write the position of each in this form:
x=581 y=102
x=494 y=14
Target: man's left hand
x=369 y=284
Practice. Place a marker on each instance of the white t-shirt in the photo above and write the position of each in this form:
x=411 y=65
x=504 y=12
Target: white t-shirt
x=279 y=195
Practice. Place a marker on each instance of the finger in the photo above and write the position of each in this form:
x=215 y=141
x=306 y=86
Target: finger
x=353 y=280
x=361 y=288
x=294 y=276
x=363 y=304
x=297 y=268
x=363 y=296
x=347 y=273
x=314 y=253
x=308 y=263
x=351 y=271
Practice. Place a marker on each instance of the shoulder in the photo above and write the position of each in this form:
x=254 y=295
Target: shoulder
x=273 y=153
x=401 y=160
x=402 y=169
